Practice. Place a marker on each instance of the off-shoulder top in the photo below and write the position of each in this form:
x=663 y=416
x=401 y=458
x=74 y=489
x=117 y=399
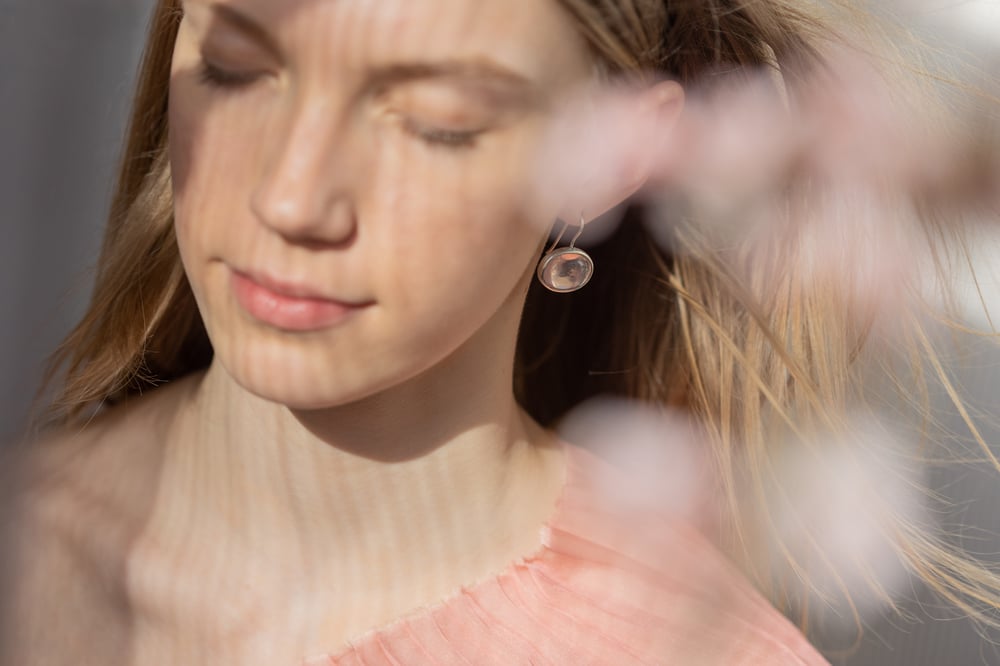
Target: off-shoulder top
x=608 y=585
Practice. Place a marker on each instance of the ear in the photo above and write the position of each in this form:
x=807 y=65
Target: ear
x=632 y=130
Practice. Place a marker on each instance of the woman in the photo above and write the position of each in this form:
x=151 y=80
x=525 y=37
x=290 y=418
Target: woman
x=315 y=391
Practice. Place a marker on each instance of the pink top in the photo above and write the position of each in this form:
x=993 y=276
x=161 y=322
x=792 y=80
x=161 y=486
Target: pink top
x=603 y=588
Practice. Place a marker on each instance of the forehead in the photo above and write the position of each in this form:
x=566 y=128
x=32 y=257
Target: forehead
x=535 y=37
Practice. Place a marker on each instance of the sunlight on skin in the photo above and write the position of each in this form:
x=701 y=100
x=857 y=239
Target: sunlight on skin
x=661 y=450
x=312 y=153
x=390 y=204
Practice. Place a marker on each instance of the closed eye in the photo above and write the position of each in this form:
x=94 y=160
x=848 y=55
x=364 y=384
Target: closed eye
x=440 y=137
x=217 y=77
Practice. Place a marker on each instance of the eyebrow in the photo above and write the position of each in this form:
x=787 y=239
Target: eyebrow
x=492 y=78
x=248 y=26
x=495 y=80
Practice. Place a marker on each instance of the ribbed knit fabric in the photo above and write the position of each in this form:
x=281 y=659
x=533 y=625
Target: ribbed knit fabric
x=609 y=585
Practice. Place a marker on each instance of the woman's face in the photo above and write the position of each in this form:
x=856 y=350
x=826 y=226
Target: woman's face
x=352 y=180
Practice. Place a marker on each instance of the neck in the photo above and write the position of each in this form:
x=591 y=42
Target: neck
x=444 y=478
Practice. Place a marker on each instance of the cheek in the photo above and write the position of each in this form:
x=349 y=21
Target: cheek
x=184 y=143
x=213 y=162
x=441 y=232
x=457 y=230
x=184 y=124
x=210 y=152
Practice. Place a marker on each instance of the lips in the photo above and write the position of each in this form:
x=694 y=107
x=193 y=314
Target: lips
x=287 y=306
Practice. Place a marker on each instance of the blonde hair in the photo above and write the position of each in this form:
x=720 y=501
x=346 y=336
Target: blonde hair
x=737 y=337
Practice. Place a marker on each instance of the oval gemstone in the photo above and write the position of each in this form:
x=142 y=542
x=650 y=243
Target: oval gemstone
x=566 y=270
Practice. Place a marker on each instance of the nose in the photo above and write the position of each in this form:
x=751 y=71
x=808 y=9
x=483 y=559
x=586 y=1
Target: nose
x=304 y=193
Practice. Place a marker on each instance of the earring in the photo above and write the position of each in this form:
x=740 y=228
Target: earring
x=567 y=269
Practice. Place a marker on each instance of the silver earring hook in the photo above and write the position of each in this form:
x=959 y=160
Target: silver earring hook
x=583 y=223
x=562 y=232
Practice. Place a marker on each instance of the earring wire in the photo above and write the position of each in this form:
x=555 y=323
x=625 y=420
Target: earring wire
x=562 y=232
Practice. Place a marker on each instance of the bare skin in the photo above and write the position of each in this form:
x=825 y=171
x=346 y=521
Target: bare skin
x=237 y=518
x=312 y=485
x=167 y=549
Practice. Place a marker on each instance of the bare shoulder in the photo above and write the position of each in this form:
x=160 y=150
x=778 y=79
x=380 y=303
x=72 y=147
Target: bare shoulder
x=73 y=503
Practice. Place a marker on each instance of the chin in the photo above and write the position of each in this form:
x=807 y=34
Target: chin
x=303 y=377
x=295 y=397
x=324 y=371
x=303 y=392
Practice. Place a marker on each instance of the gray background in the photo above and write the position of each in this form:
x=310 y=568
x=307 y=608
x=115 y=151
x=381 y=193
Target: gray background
x=66 y=78
x=68 y=68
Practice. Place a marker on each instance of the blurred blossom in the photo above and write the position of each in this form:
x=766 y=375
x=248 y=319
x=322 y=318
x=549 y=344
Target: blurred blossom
x=830 y=504
x=855 y=156
x=978 y=19
x=865 y=242
x=660 y=450
x=599 y=142
x=978 y=281
x=834 y=502
x=739 y=146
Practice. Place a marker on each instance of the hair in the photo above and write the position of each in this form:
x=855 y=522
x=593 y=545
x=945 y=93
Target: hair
x=730 y=333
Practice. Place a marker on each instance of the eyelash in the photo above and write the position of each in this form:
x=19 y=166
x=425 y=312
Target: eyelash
x=442 y=138
x=212 y=76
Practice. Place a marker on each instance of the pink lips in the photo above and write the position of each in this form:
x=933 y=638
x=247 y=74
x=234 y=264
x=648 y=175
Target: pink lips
x=288 y=307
